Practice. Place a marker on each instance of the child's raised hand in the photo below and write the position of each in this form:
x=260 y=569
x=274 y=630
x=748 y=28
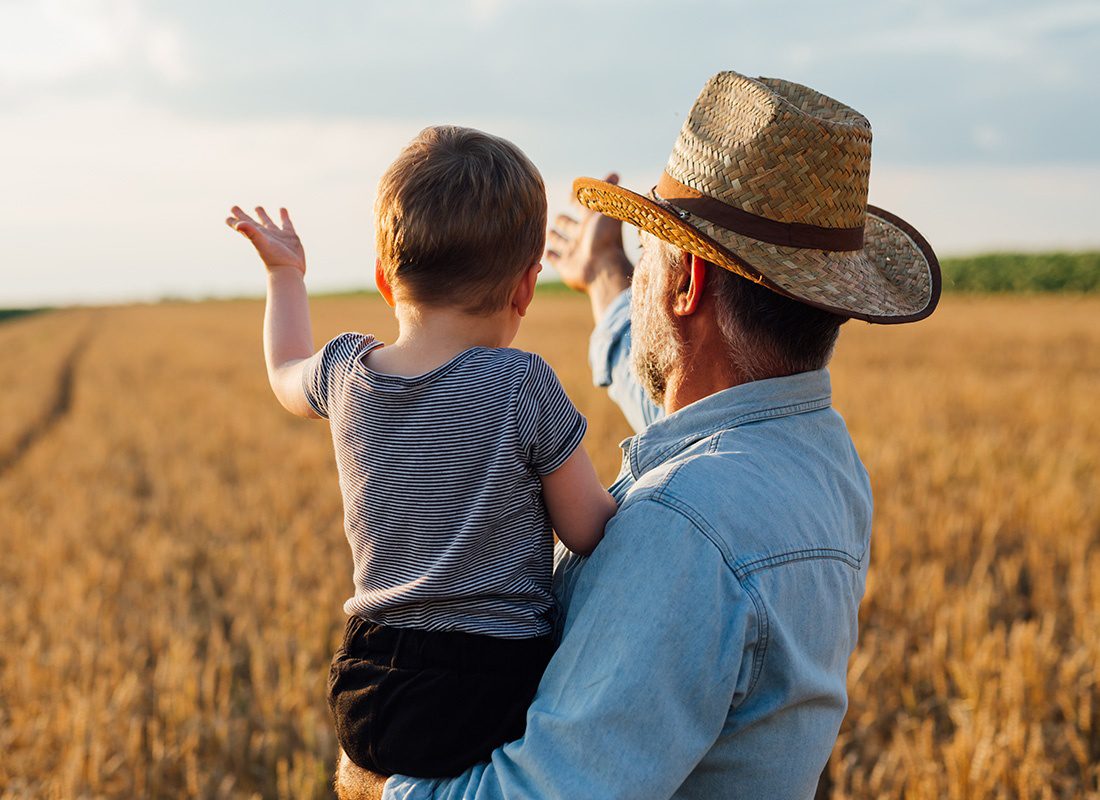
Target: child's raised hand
x=278 y=247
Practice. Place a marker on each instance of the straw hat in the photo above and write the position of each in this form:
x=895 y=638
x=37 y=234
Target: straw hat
x=768 y=179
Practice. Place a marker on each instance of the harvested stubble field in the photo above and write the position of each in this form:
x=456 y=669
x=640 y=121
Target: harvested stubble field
x=173 y=562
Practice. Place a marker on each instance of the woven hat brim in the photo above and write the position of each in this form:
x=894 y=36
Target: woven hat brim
x=895 y=278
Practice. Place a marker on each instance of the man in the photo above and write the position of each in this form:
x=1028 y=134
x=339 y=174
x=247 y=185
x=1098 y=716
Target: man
x=705 y=642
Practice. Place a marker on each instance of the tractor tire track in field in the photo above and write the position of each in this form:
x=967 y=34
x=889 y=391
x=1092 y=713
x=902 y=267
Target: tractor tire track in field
x=54 y=412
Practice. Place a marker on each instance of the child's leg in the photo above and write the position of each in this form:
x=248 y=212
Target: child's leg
x=430 y=704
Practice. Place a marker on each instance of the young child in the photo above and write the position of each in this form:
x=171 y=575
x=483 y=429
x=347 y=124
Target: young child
x=456 y=455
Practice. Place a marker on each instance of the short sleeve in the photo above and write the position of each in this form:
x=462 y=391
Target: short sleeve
x=322 y=372
x=550 y=427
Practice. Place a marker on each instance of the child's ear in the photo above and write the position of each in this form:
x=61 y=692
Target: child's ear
x=383 y=285
x=525 y=289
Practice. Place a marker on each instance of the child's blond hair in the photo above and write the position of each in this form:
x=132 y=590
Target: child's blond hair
x=459 y=216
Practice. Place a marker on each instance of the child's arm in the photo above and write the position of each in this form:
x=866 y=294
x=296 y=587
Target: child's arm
x=288 y=337
x=579 y=506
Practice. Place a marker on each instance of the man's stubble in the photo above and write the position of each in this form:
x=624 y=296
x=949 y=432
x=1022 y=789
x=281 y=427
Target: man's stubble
x=655 y=346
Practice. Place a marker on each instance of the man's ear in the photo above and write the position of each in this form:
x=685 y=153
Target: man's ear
x=383 y=285
x=525 y=289
x=691 y=278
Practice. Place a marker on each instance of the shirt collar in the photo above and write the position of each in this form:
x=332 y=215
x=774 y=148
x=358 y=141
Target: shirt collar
x=738 y=405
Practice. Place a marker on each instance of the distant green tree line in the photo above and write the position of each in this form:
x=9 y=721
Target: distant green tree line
x=13 y=313
x=1023 y=272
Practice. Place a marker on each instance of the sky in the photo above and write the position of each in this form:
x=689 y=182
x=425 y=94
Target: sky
x=129 y=127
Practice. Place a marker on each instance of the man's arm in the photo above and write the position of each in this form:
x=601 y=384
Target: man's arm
x=609 y=357
x=657 y=645
x=587 y=251
x=288 y=336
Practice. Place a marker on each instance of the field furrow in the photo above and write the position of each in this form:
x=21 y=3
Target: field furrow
x=41 y=353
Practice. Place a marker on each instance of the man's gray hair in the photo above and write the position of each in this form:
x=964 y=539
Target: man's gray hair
x=766 y=333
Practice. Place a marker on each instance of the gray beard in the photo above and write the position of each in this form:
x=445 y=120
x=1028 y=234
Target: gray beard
x=655 y=348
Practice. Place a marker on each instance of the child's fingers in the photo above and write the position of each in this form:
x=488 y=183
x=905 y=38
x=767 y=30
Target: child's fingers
x=264 y=218
x=241 y=216
x=285 y=215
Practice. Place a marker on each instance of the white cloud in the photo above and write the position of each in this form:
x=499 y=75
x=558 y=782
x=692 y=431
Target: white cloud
x=107 y=199
x=994 y=35
x=486 y=11
x=164 y=48
x=43 y=42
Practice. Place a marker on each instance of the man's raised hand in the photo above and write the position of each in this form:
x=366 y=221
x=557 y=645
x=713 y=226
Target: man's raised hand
x=587 y=251
x=580 y=247
x=278 y=247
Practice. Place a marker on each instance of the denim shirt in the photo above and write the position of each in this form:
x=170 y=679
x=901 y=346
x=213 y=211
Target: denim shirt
x=705 y=642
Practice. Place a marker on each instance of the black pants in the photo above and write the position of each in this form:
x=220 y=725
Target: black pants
x=430 y=704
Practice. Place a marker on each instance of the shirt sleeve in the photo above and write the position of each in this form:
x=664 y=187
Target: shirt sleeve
x=550 y=427
x=323 y=371
x=609 y=357
x=659 y=643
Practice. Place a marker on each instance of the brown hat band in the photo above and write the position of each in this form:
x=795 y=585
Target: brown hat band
x=787 y=234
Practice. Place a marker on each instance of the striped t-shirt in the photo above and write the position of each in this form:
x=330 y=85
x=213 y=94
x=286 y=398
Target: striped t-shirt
x=440 y=472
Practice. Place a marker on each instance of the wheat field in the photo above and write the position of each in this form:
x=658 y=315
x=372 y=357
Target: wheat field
x=173 y=563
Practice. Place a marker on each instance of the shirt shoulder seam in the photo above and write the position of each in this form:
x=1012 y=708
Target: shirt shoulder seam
x=762 y=415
